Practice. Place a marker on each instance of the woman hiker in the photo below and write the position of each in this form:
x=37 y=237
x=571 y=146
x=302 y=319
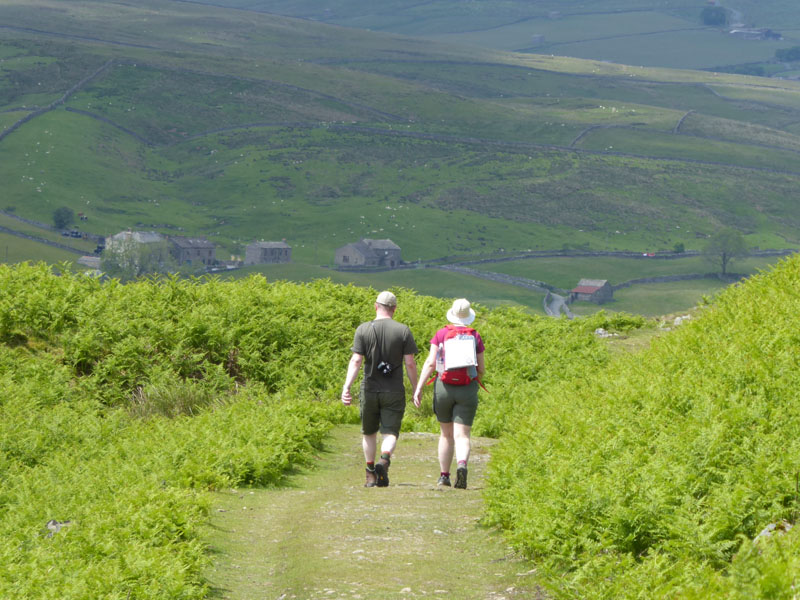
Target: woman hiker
x=454 y=403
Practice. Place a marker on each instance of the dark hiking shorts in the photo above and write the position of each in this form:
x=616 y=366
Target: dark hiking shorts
x=382 y=411
x=455 y=403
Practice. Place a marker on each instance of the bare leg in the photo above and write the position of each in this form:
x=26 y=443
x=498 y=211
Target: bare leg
x=461 y=434
x=369 y=443
x=388 y=443
x=446 y=447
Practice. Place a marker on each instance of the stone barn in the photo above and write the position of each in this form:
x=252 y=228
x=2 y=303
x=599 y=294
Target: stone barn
x=192 y=250
x=261 y=253
x=598 y=291
x=369 y=253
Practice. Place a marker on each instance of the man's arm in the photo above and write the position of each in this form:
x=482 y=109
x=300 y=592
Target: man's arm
x=411 y=370
x=352 y=372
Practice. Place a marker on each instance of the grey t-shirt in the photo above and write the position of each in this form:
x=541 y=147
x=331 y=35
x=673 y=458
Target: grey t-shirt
x=383 y=340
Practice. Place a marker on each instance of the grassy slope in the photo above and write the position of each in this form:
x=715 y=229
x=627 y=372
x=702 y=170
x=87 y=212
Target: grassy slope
x=653 y=482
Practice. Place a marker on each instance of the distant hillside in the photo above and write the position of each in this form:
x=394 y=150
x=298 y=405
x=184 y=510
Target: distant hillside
x=241 y=125
x=670 y=33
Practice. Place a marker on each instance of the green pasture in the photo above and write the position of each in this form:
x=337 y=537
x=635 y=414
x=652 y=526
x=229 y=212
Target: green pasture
x=689 y=48
x=574 y=28
x=77 y=243
x=632 y=71
x=650 y=299
x=565 y=272
x=656 y=299
x=14 y=249
x=8 y=118
x=566 y=85
x=668 y=145
x=427 y=281
x=762 y=95
x=739 y=132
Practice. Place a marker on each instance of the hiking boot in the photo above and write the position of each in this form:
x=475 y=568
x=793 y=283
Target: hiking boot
x=382 y=471
x=372 y=478
x=461 y=478
x=444 y=480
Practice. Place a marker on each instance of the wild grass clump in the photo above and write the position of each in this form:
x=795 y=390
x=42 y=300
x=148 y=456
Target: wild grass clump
x=653 y=476
x=171 y=396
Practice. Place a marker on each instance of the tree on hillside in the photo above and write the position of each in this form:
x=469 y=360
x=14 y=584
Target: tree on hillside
x=128 y=259
x=723 y=247
x=714 y=16
x=63 y=217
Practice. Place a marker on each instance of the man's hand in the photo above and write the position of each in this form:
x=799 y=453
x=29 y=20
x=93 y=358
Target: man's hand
x=347 y=399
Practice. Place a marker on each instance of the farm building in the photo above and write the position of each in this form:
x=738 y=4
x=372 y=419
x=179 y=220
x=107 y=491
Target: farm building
x=259 y=253
x=192 y=251
x=598 y=291
x=129 y=248
x=369 y=253
x=755 y=34
x=124 y=238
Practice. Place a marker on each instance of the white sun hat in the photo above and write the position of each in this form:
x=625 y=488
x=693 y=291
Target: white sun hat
x=461 y=313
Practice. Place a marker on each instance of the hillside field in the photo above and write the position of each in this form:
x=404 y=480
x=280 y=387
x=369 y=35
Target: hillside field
x=183 y=126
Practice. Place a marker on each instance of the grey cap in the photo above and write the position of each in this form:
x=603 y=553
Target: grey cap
x=387 y=299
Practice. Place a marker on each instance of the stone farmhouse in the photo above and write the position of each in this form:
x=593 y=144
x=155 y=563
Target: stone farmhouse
x=598 y=291
x=259 y=253
x=126 y=245
x=368 y=253
x=133 y=237
x=192 y=251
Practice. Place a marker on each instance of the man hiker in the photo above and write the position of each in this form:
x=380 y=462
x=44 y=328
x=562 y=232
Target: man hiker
x=382 y=346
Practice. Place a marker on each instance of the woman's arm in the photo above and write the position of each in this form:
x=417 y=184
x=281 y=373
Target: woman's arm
x=427 y=370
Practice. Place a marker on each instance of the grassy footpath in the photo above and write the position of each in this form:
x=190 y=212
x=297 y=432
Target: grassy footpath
x=326 y=536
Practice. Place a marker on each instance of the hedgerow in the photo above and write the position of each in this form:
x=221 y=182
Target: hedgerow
x=653 y=476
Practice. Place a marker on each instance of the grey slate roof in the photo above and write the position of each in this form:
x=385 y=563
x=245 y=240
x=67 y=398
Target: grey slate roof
x=192 y=243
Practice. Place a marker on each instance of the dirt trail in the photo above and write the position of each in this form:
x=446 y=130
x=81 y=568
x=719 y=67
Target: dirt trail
x=326 y=536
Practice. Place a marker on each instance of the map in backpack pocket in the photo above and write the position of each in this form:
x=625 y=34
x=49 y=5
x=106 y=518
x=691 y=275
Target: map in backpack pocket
x=459 y=352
